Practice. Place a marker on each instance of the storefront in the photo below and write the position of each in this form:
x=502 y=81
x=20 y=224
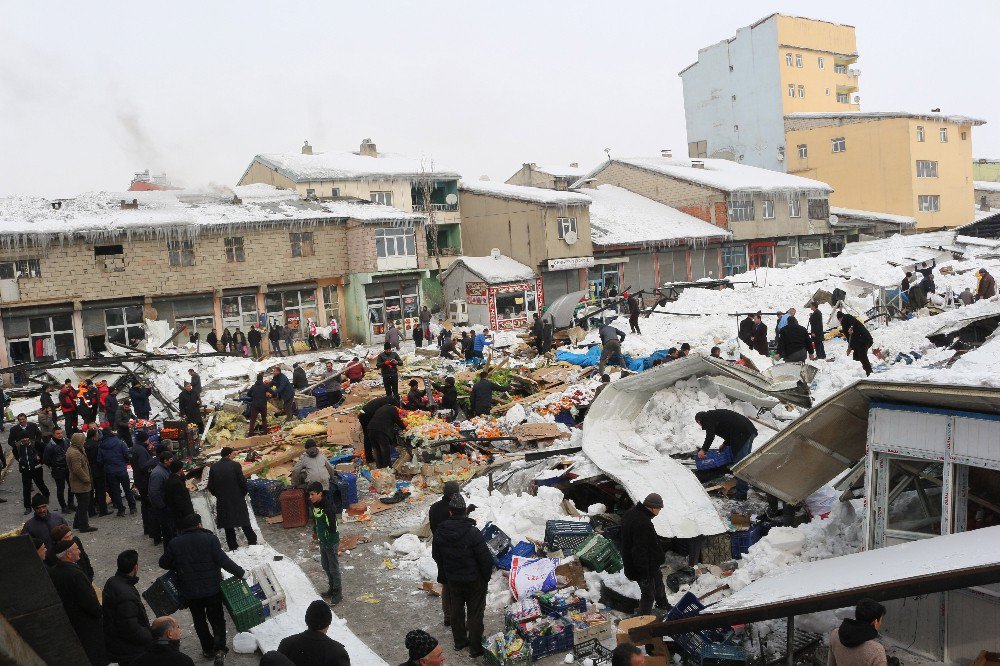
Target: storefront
x=392 y=301
x=292 y=306
x=239 y=309
x=120 y=322
x=761 y=254
x=499 y=293
x=39 y=334
x=566 y=275
x=196 y=313
x=513 y=305
x=604 y=278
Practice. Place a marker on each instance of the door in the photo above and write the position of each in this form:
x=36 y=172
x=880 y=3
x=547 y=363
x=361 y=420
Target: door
x=376 y=319
x=761 y=255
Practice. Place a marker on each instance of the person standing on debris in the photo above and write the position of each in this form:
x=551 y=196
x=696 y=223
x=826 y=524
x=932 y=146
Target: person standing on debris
x=288 y=334
x=449 y=396
x=758 y=337
x=418 y=336
x=229 y=487
x=354 y=370
x=139 y=395
x=966 y=297
x=299 y=379
x=365 y=416
x=855 y=641
x=274 y=338
x=78 y=471
x=465 y=565
x=480 y=343
x=124 y=418
x=388 y=362
x=67 y=403
x=537 y=332
x=176 y=495
x=195 y=382
x=986 y=286
x=467 y=343
x=437 y=514
x=783 y=319
x=324 y=515
x=927 y=283
x=817 y=331
x=196 y=558
x=126 y=625
x=54 y=457
x=29 y=464
x=449 y=347
x=794 y=343
x=393 y=337
x=382 y=432
x=213 y=340
x=189 y=405
x=142 y=465
x=642 y=553
x=165 y=650
x=634 y=310
x=284 y=391
x=258 y=406
x=481 y=396
x=79 y=600
x=311 y=467
x=611 y=346
x=163 y=529
x=226 y=340
x=253 y=338
x=737 y=433
x=859 y=340
x=423 y=649
x=313 y=647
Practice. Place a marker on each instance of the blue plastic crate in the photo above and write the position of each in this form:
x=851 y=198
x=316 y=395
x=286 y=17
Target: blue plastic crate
x=715 y=458
x=352 y=487
x=742 y=540
x=496 y=540
x=304 y=412
x=692 y=643
x=521 y=549
x=265 y=496
x=543 y=646
x=719 y=653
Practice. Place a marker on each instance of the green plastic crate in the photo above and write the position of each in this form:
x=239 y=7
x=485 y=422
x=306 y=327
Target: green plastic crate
x=599 y=554
x=245 y=608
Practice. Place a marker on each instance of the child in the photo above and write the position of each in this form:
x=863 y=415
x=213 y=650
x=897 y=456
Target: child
x=325 y=531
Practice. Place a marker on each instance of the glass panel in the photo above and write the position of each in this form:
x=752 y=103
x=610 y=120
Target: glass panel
x=411 y=248
x=63 y=322
x=116 y=335
x=230 y=307
x=39 y=324
x=914 y=502
x=136 y=334
x=248 y=303
x=114 y=317
x=64 y=345
x=133 y=314
x=983 y=498
x=380 y=246
x=307 y=297
x=273 y=302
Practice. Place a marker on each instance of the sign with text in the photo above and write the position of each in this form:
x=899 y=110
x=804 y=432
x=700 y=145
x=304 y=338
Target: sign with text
x=568 y=263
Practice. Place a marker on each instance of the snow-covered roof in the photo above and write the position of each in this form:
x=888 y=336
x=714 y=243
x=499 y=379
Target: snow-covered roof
x=880 y=115
x=557 y=170
x=987 y=185
x=493 y=269
x=873 y=216
x=351 y=166
x=100 y=214
x=719 y=174
x=914 y=242
x=621 y=217
x=536 y=195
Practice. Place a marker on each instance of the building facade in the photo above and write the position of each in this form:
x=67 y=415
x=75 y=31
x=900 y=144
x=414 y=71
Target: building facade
x=497 y=291
x=549 y=176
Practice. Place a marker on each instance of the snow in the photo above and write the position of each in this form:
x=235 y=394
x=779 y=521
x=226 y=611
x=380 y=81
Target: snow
x=719 y=174
x=930 y=240
x=495 y=270
x=559 y=170
x=535 y=195
x=986 y=185
x=345 y=165
x=878 y=115
x=855 y=214
x=621 y=217
x=521 y=516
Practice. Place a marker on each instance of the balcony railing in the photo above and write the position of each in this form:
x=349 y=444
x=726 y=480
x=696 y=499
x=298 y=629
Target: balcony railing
x=436 y=207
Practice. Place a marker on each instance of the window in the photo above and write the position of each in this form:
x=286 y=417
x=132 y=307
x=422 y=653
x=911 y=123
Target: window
x=384 y=198
x=107 y=250
x=827 y=92
x=843 y=98
x=395 y=242
x=798 y=59
x=803 y=151
x=564 y=225
x=820 y=62
x=234 y=249
x=124 y=325
x=20 y=268
x=767 y=209
x=833 y=245
x=331 y=299
x=926 y=169
x=965 y=136
x=788 y=59
x=698 y=149
x=181 y=252
x=740 y=210
x=335 y=192
x=794 y=207
x=51 y=337
x=943 y=134
x=310 y=192
x=110 y=258
x=734 y=260
x=920 y=133
x=802 y=91
x=302 y=243
x=840 y=69
x=839 y=144
x=929 y=203
x=791 y=90
x=819 y=209
x=239 y=312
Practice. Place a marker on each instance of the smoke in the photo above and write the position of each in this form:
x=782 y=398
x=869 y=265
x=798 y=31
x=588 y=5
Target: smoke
x=137 y=143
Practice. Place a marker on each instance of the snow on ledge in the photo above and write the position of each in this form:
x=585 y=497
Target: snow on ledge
x=494 y=270
x=536 y=195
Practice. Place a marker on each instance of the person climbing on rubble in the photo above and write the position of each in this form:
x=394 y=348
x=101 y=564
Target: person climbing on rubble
x=139 y=395
x=758 y=337
x=537 y=333
x=794 y=343
x=365 y=416
x=643 y=554
x=737 y=433
x=311 y=467
x=855 y=641
x=481 y=397
x=388 y=363
x=466 y=341
x=986 y=285
x=634 y=310
x=282 y=389
x=189 y=405
x=817 y=331
x=611 y=347
x=449 y=347
x=381 y=430
x=859 y=340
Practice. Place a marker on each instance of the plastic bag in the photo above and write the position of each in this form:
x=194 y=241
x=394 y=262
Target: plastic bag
x=532 y=574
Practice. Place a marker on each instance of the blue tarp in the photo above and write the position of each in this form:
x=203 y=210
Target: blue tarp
x=593 y=357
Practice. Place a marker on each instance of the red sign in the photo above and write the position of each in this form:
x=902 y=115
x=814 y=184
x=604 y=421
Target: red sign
x=476 y=293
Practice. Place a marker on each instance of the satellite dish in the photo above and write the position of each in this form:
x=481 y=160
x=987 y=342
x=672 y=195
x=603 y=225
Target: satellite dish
x=451 y=199
x=570 y=237
x=834 y=219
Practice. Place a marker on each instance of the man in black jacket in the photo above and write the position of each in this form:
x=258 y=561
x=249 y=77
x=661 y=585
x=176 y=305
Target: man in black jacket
x=816 y=329
x=165 y=650
x=438 y=513
x=189 y=405
x=54 y=457
x=23 y=429
x=79 y=600
x=98 y=475
x=465 y=565
x=745 y=332
x=29 y=464
x=313 y=647
x=642 y=553
x=299 y=379
x=365 y=417
x=253 y=339
x=611 y=346
x=258 y=406
x=737 y=432
x=859 y=340
x=634 y=310
x=195 y=556
x=481 y=397
x=388 y=363
x=176 y=495
x=794 y=343
x=142 y=465
x=126 y=625
x=227 y=483
x=382 y=432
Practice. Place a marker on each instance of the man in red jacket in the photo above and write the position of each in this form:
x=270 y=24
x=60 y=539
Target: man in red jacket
x=67 y=402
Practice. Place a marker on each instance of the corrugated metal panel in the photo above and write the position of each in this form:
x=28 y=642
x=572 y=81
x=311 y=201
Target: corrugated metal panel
x=914 y=430
x=976 y=439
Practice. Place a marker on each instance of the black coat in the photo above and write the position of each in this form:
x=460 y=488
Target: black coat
x=253 y=337
x=281 y=387
x=816 y=323
x=385 y=420
x=759 y=342
x=92 y=447
x=388 y=363
x=227 y=483
x=299 y=379
x=30 y=430
x=369 y=409
x=793 y=338
x=733 y=428
x=187 y=404
x=438 y=512
x=46 y=399
x=142 y=466
x=449 y=396
x=162 y=653
x=861 y=338
x=140 y=400
x=126 y=625
x=177 y=497
x=460 y=551
x=195 y=380
x=196 y=558
x=79 y=600
x=85 y=566
x=258 y=395
x=481 y=397
x=642 y=553
x=313 y=648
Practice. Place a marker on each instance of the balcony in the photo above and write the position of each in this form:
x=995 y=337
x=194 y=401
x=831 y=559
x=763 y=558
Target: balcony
x=420 y=207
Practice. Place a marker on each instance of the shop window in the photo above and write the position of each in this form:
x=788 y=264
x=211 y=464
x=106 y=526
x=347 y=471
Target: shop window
x=761 y=256
x=395 y=242
x=20 y=268
x=239 y=311
x=734 y=260
x=124 y=325
x=51 y=338
x=181 y=252
x=302 y=243
x=515 y=305
x=331 y=301
x=833 y=245
x=234 y=249
x=914 y=502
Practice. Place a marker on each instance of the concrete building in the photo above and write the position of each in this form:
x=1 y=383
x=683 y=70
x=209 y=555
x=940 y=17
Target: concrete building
x=549 y=176
x=740 y=89
x=987 y=194
x=545 y=229
x=78 y=273
x=409 y=184
x=498 y=292
x=862 y=225
x=774 y=218
x=917 y=165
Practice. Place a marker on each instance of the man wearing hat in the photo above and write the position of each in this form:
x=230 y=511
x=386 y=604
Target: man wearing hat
x=438 y=513
x=196 y=558
x=29 y=464
x=41 y=524
x=642 y=553
x=79 y=600
x=465 y=565
x=423 y=649
x=313 y=646
x=64 y=533
x=227 y=483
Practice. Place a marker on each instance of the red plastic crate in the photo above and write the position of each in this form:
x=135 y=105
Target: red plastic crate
x=293 y=508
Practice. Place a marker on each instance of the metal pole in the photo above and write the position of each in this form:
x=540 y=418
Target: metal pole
x=790 y=642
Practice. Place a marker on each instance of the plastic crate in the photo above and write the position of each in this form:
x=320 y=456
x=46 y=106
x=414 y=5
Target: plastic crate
x=521 y=549
x=599 y=554
x=496 y=540
x=566 y=534
x=584 y=632
x=593 y=650
x=692 y=643
x=741 y=541
x=265 y=496
x=304 y=412
x=720 y=653
x=352 y=487
x=245 y=608
x=162 y=596
x=303 y=401
x=543 y=646
x=272 y=595
x=293 y=508
x=715 y=458
x=554 y=608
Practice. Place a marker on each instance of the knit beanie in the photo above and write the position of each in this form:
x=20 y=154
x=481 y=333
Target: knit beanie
x=420 y=644
x=318 y=615
x=59 y=531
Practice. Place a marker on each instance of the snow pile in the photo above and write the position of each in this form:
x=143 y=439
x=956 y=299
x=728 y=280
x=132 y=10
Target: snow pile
x=495 y=269
x=521 y=516
x=345 y=165
x=536 y=195
x=618 y=216
x=414 y=556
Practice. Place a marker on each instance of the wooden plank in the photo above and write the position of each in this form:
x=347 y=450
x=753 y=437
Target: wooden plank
x=528 y=432
x=291 y=452
x=249 y=442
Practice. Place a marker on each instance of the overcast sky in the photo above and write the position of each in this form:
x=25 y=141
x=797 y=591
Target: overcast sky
x=92 y=92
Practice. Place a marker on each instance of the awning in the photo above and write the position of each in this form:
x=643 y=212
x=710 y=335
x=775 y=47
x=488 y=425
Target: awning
x=925 y=566
x=831 y=438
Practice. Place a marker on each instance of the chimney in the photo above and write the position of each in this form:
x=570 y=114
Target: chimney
x=666 y=152
x=984 y=205
x=574 y=165
x=307 y=149
x=368 y=148
x=130 y=206
x=559 y=183
x=697 y=164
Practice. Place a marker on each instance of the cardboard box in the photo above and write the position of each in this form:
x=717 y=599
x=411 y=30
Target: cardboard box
x=659 y=647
